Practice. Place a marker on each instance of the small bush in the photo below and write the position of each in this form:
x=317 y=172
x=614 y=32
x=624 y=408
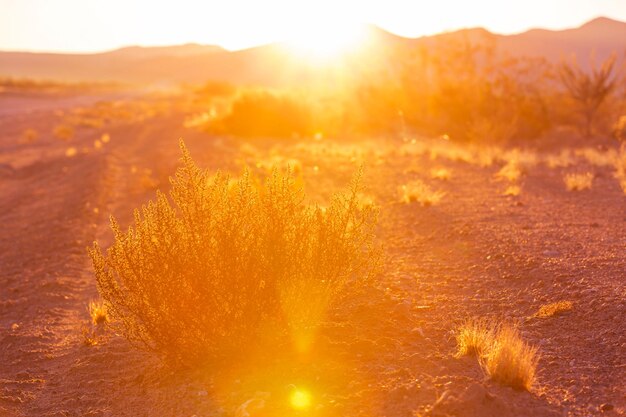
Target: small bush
x=511 y=172
x=64 y=132
x=578 y=182
x=418 y=192
x=442 y=174
x=266 y=114
x=512 y=191
x=201 y=270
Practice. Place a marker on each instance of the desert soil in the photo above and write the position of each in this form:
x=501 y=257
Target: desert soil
x=385 y=350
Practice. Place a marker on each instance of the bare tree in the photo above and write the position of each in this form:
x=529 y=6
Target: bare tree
x=588 y=88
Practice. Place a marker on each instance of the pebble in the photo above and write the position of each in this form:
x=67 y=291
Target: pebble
x=606 y=407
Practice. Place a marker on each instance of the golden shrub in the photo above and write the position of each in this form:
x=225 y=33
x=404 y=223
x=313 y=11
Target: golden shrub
x=202 y=269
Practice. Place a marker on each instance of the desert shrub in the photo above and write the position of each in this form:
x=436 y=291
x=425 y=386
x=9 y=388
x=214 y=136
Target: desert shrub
x=500 y=350
x=267 y=114
x=418 y=192
x=512 y=191
x=588 y=89
x=578 y=182
x=202 y=269
x=29 y=136
x=443 y=174
x=63 y=132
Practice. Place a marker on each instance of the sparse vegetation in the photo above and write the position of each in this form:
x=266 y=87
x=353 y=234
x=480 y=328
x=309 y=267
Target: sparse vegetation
x=64 y=132
x=443 y=174
x=512 y=190
x=578 y=182
x=588 y=89
x=418 y=192
x=29 y=136
x=199 y=271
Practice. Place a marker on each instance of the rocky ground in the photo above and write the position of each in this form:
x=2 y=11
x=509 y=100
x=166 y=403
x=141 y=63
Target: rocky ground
x=386 y=350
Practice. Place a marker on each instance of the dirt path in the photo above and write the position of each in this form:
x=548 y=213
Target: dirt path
x=387 y=352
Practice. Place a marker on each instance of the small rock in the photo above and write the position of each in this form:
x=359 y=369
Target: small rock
x=606 y=407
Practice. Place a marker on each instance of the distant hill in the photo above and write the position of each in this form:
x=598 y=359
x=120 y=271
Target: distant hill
x=274 y=65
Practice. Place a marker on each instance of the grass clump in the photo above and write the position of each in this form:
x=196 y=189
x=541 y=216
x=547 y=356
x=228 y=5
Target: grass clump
x=554 y=309
x=501 y=352
x=418 y=192
x=202 y=269
x=512 y=191
x=474 y=337
x=578 y=182
x=442 y=174
x=98 y=312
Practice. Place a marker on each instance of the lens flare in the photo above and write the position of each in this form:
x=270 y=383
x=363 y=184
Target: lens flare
x=300 y=399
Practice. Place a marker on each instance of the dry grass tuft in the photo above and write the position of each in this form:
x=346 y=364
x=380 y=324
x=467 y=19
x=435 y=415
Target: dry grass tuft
x=511 y=361
x=503 y=355
x=63 y=132
x=511 y=172
x=90 y=336
x=98 y=312
x=578 y=182
x=512 y=190
x=443 y=174
x=474 y=337
x=203 y=269
x=418 y=192
x=554 y=309
x=29 y=135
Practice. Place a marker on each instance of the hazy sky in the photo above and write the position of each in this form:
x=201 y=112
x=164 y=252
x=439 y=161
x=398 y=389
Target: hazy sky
x=95 y=25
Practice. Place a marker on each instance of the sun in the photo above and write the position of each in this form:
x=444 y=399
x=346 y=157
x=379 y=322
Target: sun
x=324 y=41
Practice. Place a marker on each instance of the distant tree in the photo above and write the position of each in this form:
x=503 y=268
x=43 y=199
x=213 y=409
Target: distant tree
x=589 y=89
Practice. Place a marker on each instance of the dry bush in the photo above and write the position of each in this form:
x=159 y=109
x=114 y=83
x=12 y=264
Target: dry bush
x=509 y=360
x=512 y=190
x=511 y=172
x=554 y=309
x=620 y=169
x=29 y=135
x=202 y=269
x=267 y=114
x=443 y=174
x=578 y=182
x=63 y=132
x=589 y=89
x=418 y=192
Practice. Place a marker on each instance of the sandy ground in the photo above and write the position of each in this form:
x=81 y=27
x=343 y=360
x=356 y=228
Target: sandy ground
x=387 y=350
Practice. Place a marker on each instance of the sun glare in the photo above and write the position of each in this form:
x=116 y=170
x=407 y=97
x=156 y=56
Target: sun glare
x=300 y=399
x=324 y=41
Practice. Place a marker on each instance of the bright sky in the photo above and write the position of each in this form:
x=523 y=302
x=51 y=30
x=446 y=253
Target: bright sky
x=95 y=25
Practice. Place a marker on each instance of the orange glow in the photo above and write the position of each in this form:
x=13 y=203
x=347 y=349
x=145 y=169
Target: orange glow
x=324 y=41
x=300 y=399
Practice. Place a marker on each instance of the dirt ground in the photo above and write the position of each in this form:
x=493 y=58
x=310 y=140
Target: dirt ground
x=386 y=350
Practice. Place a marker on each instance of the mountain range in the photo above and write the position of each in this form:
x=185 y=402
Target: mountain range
x=276 y=65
